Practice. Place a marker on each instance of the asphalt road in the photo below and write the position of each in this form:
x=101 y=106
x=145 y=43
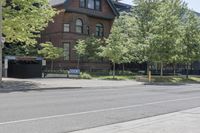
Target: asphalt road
x=63 y=111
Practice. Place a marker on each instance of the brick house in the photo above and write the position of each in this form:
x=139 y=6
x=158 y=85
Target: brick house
x=79 y=19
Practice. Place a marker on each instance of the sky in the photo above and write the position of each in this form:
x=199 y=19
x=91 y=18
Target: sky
x=192 y=4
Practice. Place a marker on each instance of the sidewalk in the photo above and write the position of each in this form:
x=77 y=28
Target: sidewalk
x=61 y=83
x=187 y=121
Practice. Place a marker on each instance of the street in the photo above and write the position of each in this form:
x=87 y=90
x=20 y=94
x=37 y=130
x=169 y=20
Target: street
x=63 y=111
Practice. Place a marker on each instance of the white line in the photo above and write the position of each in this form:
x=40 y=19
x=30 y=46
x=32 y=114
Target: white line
x=96 y=111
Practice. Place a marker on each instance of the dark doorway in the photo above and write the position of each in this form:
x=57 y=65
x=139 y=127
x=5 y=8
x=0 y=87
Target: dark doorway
x=24 y=69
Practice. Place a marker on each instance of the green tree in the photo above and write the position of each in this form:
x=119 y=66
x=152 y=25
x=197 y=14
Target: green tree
x=116 y=49
x=124 y=26
x=20 y=49
x=143 y=15
x=24 y=20
x=80 y=48
x=89 y=48
x=190 y=48
x=157 y=33
x=167 y=31
x=50 y=52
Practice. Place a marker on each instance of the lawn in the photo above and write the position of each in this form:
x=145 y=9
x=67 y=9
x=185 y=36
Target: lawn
x=121 y=77
x=143 y=78
x=175 y=79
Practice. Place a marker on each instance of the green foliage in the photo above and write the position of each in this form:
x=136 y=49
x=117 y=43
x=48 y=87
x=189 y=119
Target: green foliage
x=166 y=33
x=89 y=47
x=85 y=76
x=114 y=51
x=50 y=52
x=190 y=42
x=119 y=46
x=80 y=47
x=126 y=77
x=20 y=49
x=24 y=19
x=143 y=13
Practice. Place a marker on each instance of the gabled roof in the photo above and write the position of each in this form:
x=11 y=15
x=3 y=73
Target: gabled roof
x=110 y=2
x=59 y=2
x=121 y=7
x=56 y=2
x=198 y=14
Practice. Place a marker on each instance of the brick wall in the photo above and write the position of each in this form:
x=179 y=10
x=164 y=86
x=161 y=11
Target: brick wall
x=55 y=33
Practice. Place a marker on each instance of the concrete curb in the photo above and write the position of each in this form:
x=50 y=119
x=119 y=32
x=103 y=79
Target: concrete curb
x=38 y=89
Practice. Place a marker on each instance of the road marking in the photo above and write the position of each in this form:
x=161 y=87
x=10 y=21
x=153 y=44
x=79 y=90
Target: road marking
x=96 y=111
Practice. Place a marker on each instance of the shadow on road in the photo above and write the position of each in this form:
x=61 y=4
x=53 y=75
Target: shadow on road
x=25 y=86
x=11 y=86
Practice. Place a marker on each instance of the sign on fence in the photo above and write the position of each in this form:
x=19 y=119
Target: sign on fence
x=74 y=73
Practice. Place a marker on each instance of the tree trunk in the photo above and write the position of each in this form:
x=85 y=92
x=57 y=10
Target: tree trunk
x=1 y=44
x=123 y=67
x=78 y=63
x=161 y=69
x=113 y=70
x=148 y=69
x=187 y=71
x=174 y=67
x=149 y=75
x=51 y=64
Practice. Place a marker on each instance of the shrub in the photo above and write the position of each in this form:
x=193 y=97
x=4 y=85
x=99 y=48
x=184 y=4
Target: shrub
x=120 y=72
x=85 y=76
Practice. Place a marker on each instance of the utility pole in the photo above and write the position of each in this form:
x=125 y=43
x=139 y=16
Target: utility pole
x=1 y=41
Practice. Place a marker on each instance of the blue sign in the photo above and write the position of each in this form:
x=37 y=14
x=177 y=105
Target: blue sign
x=74 y=71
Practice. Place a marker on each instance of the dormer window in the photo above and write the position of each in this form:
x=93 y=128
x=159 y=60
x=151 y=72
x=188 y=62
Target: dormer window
x=91 y=4
x=82 y=3
x=97 y=5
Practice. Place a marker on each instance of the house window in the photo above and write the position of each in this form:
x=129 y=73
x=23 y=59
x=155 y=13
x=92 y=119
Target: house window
x=97 y=5
x=79 y=26
x=66 y=27
x=66 y=51
x=99 y=30
x=91 y=4
x=82 y=3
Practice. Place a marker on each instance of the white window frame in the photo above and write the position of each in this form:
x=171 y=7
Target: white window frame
x=66 y=46
x=66 y=27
